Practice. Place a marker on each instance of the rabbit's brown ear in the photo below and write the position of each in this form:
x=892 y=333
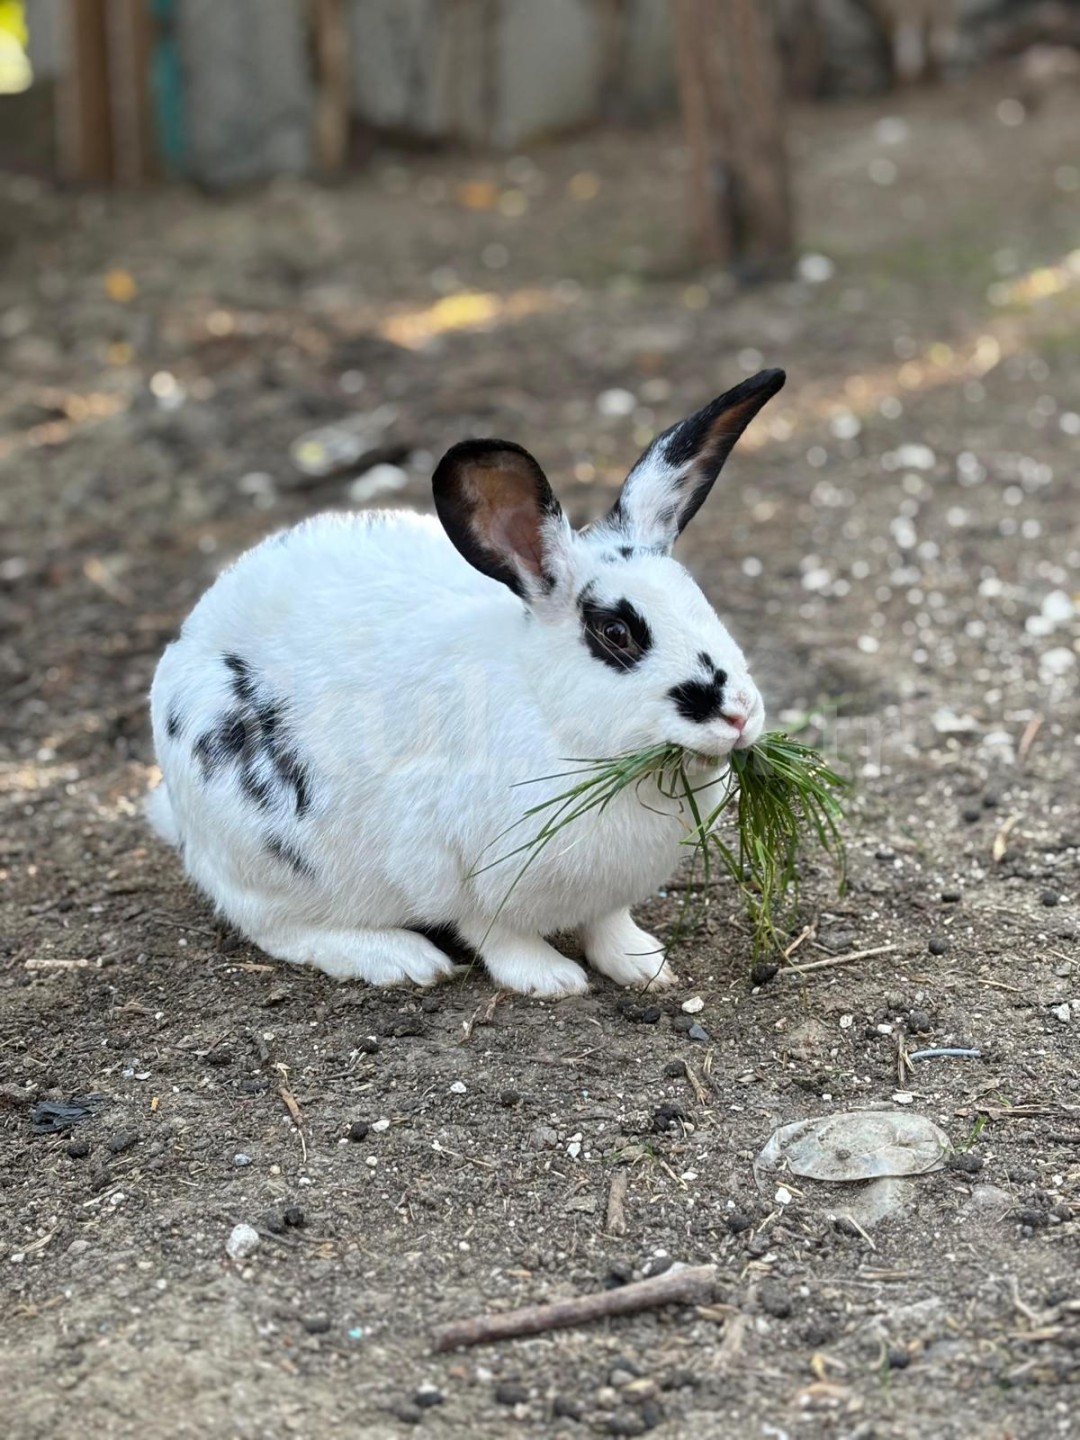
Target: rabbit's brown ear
x=497 y=507
x=668 y=485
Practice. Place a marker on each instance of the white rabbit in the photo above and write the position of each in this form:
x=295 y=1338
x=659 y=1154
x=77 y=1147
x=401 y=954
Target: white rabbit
x=348 y=709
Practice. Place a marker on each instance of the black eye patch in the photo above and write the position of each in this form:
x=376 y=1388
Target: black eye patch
x=616 y=634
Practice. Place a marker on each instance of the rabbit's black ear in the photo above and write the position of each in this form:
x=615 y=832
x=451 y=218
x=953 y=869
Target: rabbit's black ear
x=497 y=507
x=668 y=485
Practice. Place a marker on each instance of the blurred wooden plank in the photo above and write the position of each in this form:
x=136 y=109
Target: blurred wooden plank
x=85 y=134
x=332 y=99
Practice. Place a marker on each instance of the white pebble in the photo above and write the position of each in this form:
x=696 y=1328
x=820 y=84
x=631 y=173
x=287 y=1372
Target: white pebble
x=242 y=1242
x=903 y=1097
x=1056 y=662
x=694 y=1005
x=1062 y=1013
x=241 y=1159
x=616 y=402
x=380 y=1125
x=846 y=1022
x=783 y=1195
x=815 y=269
x=458 y=1087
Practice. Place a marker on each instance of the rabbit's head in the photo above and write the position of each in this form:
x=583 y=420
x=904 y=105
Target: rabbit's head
x=624 y=650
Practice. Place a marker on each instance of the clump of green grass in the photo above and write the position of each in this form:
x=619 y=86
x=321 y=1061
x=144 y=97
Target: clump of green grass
x=781 y=791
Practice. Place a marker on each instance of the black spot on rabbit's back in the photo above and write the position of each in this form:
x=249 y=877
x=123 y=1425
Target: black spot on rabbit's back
x=243 y=681
x=289 y=855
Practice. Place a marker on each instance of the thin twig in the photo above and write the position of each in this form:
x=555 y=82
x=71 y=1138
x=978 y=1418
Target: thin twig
x=807 y=933
x=1031 y=729
x=958 y=1052
x=689 y=1285
x=841 y=959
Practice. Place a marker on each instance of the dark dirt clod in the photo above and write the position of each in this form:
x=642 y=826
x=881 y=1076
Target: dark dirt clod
x=762 y=973
x=358 y=1130
x=675 y=1070
x=667 y=1117
x=430 y=1004
x=368 y=1045
x=972 y=814
x=919 y=1022
x=220 y=1057
x=273 y=1222
x=509 y=1098
x=401 y=1026
x=938 y=944
x=651 y=1015
x=428 y=1396
x=511 y=1392
x=951 y=897
x=78 y=1149
x=966 y=1164
x=775 y=1299
x=294 y=1217
x=737 y=1222
x=1050 y=898
x=682 y=1024
x=122 y=1142
x=316 y=1324
x=898 y=1359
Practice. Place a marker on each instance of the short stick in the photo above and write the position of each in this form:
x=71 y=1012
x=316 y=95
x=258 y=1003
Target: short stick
x=840 y=959
x=691 y=1285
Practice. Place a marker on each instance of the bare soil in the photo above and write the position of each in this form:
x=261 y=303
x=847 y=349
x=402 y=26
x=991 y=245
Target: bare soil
x=159 y=355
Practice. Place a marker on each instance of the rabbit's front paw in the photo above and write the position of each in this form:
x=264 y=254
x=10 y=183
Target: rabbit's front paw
x=625 y=953
x=525 y=963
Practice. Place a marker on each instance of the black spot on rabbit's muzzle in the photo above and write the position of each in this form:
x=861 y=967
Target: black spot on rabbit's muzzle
x=700 y=701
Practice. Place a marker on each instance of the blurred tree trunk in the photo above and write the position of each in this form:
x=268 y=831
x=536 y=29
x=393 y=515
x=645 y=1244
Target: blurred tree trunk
x=332 y=95
x=731 y=90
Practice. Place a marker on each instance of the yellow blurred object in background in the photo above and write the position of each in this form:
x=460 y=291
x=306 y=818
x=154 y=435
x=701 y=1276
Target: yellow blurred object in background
x=15 y=70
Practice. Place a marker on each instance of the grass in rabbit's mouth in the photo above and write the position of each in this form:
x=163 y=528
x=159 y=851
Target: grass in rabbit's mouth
x=782 y=793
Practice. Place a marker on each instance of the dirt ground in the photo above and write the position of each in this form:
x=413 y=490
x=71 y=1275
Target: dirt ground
x=896 y=545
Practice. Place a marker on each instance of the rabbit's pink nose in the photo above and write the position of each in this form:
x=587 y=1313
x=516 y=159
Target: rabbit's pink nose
x=735 y=718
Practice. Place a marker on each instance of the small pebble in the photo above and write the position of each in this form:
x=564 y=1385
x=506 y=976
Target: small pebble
x=681 y=1023
x=651 y=1014
x=240 y=1160
x=899 y=1359
x=510 y=1098
x=675 y=1069
x=762 y=974
x=294 y=1217
x=652 y=1412
x=273 y=1222
x=219 y=1057
x=408 y=1414
x=693 y=1006
x=564 y=1408
x=369 y=1045
x=699 y=1033
x=511 y=1392
x=430 y=1004
x=380 y=1126
x=243 y=1241
x=458 y=1087
x=951 y=897
x=124 y=1141
x=78 y=1149
x=938 y=944
x=427 y=1396
x=358 y=1130
x=316 y=1324
x=1050 y=898
x=990 y=801
x=918 y=1022
x=626 y=1422
x=737 y=1222
x=973 y=813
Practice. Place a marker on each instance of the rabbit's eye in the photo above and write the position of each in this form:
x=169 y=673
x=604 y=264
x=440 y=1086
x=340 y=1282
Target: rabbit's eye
x=617 y=634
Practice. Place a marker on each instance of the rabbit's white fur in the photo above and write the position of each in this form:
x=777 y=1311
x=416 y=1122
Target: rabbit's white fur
x=343 y=721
